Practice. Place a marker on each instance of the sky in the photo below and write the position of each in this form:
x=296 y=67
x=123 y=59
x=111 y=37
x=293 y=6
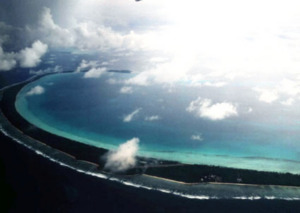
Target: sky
x=250 y=45
x=241 y=57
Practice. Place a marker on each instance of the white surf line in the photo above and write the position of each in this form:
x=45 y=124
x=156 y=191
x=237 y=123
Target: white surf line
x=103 y=176
x=17 y=83
x=100 y=175
x=128 y=183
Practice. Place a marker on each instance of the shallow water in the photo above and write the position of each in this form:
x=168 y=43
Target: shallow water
x=146 y=183
x=92 y=111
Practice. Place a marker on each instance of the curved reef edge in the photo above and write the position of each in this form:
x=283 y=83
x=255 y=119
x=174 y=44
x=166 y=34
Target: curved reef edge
x=89 y=158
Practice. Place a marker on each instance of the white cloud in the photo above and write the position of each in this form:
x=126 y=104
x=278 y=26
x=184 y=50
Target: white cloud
x=94 y=72
x=7 y=60
x=37 y=90
x=51 y=33
x=267 y=45
x=205 y=109
x=31 y=57
x=28 y=57
x=197 y=137
x=86 y=64
x=126 y=90
x=215 y=84
x=112 y=81
x=266 y=95
x=142 y=79
x=129 y=117
x=152 y=118
x=288 y=102
x=124 y=157
x=55 y=69
x=289 y=87
x=286 y=87
x=250 y=109
x=83 y=35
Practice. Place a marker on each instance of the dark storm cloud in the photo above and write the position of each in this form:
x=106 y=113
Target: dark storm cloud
x=20 y=13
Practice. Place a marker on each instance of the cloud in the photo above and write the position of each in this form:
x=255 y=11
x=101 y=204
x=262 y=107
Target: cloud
x=31 y=57
x=250 y=109
x=216 y=53
x=286 y=87
x=215 y=84
x=7 y=60
x=28 y=57
x=126 y=90
x=288 y=102
x=129 y=117
x=84 y=35
x=152 y=118
x=124 y=157
x=55 y=69
x=94 y=72
x=267 y=96
x=205 y=109
x=86 y=64
x=50 y=32
x=141 y=79
x=37 y=90
x=112 y=81
x=197 y=137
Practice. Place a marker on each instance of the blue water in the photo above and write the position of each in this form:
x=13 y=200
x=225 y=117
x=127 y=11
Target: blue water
x=91 y=111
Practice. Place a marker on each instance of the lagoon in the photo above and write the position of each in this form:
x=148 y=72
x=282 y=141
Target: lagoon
x=94 y=111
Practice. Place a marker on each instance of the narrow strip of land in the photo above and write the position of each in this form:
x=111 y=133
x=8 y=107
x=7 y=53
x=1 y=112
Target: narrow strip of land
x=164 y=170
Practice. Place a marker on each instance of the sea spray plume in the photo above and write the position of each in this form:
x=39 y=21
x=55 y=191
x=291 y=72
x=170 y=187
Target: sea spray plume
x=124 y=157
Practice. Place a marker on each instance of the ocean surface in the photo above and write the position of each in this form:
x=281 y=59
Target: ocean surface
x=41 y=185
x=47 y=181
x=96 y=111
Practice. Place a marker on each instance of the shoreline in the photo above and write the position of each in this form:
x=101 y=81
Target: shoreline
x=218 y=183
x=92 y=155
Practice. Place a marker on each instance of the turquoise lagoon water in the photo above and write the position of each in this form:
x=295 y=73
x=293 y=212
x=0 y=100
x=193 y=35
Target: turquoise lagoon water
x=92 y=111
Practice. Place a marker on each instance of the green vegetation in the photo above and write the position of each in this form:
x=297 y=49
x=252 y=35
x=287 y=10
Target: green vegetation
x=165 y=169
x=202 y=173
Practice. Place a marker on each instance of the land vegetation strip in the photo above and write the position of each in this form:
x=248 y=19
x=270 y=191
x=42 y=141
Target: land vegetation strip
x=168 y=170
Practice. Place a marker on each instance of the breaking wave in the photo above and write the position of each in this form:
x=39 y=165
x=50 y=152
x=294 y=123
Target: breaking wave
x=137 y=183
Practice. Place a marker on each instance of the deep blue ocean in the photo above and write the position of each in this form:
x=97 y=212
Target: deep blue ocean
x=94 y=110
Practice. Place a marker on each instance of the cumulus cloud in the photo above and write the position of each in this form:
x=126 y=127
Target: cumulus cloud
x=215 y=52
x=142 y=79
x=124 y=157
x=112 y=81
x=197 y=137
x=94 y=72
x=126 y=90
x=31 y=57
x=152 y=118
x=7 y=60
x=84 y=64
x=37 y=90
x=215 y=84
x=55 y=69
x=250 y=109
x=288 y=102
x=286 y=88
x=52 y=33
x=204 y=108
x=267 y=96
x=129 y=117
x=28 y=57
x=83 y=35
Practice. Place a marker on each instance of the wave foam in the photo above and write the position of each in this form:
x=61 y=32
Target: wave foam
x=132 y=184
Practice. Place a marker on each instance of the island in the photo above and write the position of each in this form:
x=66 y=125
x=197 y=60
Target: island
x=89 y=157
